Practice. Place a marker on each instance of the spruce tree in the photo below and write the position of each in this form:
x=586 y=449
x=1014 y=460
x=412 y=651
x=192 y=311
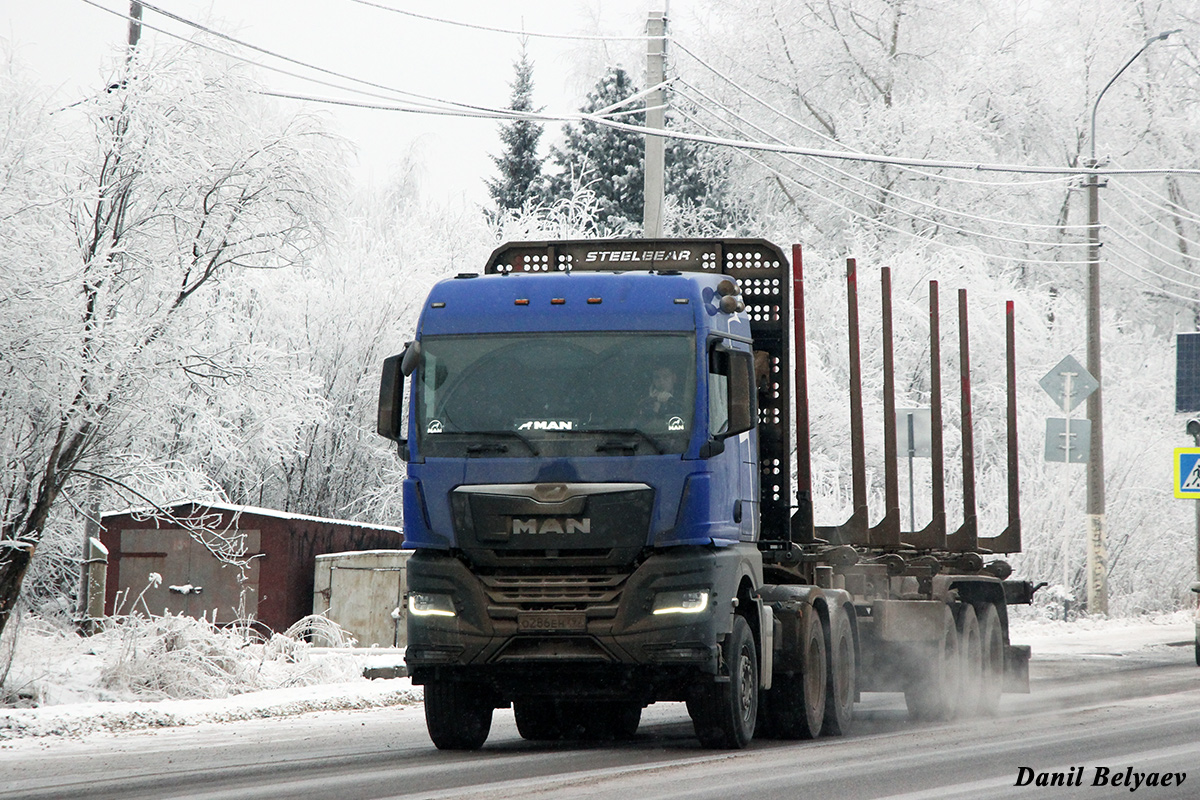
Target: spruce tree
x=610 y=163
x=521 y=180
x=606 y=161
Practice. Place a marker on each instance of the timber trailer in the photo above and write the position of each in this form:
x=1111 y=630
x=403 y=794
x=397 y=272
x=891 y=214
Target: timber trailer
x=600 y=493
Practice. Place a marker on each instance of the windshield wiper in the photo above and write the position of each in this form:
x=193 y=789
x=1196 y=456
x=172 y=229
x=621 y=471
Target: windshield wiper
x=604 y=447
x=496 y=447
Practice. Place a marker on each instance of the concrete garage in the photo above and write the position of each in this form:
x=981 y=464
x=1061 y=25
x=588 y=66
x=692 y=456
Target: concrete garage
x=273 y=584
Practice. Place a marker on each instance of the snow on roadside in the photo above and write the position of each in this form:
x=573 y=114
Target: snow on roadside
x=77 y=719
x=72 y=699
x=140 y=673
x=1103 y=637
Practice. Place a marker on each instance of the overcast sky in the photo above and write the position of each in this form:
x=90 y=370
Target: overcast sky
x=69 y=44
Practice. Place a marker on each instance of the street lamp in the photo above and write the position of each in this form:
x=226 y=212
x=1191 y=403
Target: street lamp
x=1097 y=583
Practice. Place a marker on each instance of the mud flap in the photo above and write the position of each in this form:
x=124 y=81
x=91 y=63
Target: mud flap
x=766 y=657
x=1016 y=668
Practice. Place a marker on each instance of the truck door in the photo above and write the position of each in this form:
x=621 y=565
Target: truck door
x=732 y=415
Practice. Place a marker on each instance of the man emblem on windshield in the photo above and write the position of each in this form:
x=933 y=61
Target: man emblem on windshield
x=547 y=425
x=435 y=426
x=675 y=424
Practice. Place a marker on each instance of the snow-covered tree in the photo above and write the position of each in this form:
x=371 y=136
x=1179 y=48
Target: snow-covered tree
x=114 y=277
x=521 y=181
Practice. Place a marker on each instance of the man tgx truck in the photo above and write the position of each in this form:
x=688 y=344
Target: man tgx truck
x=604 y=509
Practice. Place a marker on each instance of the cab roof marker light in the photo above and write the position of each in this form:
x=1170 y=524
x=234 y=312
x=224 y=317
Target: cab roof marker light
x=437 y=305
x=521 y=301
x=681 y=301
x=558 y=301
x=595 y=301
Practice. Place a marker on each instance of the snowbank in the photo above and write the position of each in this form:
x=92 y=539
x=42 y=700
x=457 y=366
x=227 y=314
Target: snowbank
x=77 y=719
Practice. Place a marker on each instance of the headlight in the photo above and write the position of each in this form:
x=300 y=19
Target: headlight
x=421 y=604
x=692 y=601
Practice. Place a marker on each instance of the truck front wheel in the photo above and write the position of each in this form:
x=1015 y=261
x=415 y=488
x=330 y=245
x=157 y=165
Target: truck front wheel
x=724 y=714
x=457 y=714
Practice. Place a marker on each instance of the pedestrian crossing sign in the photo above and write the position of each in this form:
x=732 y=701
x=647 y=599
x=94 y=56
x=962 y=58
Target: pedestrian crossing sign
x=1187 y=472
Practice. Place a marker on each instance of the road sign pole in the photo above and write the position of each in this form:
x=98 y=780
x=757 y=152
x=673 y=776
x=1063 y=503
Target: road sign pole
x=1194 y=429
x=912 y=453
x=1067 y=409
x=1069 y=383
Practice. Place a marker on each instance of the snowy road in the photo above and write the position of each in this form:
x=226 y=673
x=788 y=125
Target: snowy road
x=1135 y=714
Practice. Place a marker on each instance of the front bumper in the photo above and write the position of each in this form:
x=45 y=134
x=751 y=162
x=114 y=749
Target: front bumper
x=607 y=618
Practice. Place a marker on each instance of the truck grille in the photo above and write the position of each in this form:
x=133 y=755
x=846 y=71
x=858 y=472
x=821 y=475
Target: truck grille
x=553 y=590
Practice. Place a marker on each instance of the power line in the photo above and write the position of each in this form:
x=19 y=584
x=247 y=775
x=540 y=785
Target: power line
x=784 y=115
x=1159 y=289
x=1136 y=229
x=1174 y=207
x=878 y=223
x=498 y=114
x=900 y=195
x=243 y=59
x=533 y=34
x=768 y=147
x=641 y=130
x=1176 y=211
x=248 y=45
x=1148 y=254
x=930 y=222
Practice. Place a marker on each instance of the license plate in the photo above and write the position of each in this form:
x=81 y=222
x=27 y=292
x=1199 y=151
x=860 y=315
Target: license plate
x=551 y=622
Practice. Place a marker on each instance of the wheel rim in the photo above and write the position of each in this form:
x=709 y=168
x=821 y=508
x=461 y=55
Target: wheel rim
x=747 y=687
x=841 y=677
x=813 y=679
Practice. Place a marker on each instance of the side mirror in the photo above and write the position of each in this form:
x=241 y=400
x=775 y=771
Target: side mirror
x=1195 y=587
x=742 y=395
x=390 y=424
x=732 y=396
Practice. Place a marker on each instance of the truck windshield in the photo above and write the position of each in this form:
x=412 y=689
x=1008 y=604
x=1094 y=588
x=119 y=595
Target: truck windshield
x=555 y=394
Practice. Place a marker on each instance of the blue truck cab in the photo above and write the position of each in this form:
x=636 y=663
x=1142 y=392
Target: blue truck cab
x=596 y=448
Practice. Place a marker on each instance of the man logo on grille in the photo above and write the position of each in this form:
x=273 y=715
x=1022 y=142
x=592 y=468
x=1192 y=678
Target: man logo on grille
x=541 y=525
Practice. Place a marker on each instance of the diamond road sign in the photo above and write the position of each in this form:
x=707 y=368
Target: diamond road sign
x=1187 y=472
x=1069 y=383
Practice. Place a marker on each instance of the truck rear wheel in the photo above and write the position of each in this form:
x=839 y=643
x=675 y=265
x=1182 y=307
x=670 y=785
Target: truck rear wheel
x=841 y=691
x=537 y=720
x=991 y=640
x=797 y=703
x=932 y=693
x=457 y=714
x=971 y=651
x=724 y=714
x=598 y=720
x=622 y=718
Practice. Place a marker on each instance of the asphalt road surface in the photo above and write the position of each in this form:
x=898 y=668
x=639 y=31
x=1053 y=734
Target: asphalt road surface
x=1132 y=720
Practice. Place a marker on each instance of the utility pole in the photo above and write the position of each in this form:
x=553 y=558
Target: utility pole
x=135 y=26
x=1097 y=536
x=91 y=522
x=653 y=188
x=1097 y=561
